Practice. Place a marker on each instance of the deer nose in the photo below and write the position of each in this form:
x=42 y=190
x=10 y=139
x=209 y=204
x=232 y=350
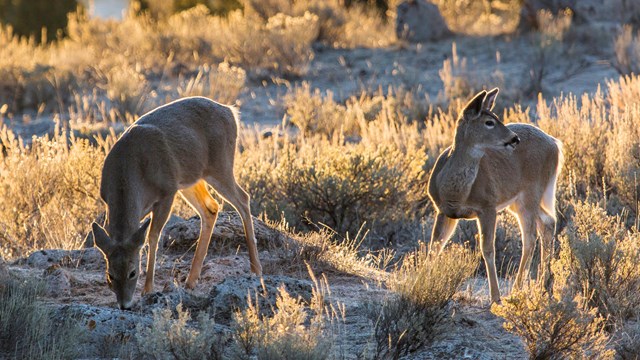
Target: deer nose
x=515 y=140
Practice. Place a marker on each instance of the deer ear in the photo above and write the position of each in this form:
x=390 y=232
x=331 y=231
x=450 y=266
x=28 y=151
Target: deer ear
x=101 y=239
x=474 y=106
x=490 y=100
x=140 y=235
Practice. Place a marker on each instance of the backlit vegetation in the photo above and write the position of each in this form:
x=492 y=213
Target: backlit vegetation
x=344 y=174
x=417 y=309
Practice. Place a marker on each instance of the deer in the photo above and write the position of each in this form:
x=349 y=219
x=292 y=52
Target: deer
x=180 y=147
x=491 y=167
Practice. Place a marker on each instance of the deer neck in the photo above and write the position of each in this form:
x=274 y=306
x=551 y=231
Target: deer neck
x=460 y=171
x=123 y=218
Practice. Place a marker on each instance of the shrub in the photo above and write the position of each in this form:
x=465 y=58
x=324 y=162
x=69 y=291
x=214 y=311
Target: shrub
x=339 y=26
x=170 y=337
x=599 y=259
x=27 y=329
x=627 y=48
x=554 y=326
x=126 y=88
x=480 y=18
x=547 y=44
x=50 y=191
x=223 y=84
x=358 y=185
x=421 y=292
x=296 y=330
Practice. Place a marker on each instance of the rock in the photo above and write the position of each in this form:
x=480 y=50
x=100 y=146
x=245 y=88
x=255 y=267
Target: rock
x=107 y=330
x=182 y=234
x=90 y=259
x=232 y=294
x=420 y=21
x=57 y=281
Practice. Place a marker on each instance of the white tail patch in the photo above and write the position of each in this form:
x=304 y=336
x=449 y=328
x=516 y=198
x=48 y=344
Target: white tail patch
x=549 y=196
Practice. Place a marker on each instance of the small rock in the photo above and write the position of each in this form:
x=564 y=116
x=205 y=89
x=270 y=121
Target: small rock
x=420 y=21
x=102 y=324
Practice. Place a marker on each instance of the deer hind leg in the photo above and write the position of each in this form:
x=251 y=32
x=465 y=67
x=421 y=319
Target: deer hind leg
x=227 y=187
x=487 y=227
x=546 y=224
x=443 y=228
x=527 y=222
x=159 y=215
x=207 y=208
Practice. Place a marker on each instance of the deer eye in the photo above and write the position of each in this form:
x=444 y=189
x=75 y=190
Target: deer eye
x=490 y=123
x=132 y=275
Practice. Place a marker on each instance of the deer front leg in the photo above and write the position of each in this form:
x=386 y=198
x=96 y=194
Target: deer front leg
x=443 y=228
x=159 y=215
x=487 y=227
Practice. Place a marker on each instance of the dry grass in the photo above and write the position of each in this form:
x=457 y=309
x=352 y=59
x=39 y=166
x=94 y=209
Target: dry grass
x=222 y=84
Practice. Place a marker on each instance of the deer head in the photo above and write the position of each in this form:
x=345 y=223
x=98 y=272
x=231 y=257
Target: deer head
x=479 y=128
x=122 y=257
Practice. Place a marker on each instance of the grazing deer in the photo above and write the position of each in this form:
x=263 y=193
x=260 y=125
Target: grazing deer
x=490 y=167
x=180 y=146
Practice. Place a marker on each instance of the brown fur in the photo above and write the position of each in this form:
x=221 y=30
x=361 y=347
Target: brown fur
x=480 y=175
x=180 y=146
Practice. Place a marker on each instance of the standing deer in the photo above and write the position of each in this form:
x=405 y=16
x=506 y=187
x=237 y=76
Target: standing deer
x=178 y=147
x=490 y=167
